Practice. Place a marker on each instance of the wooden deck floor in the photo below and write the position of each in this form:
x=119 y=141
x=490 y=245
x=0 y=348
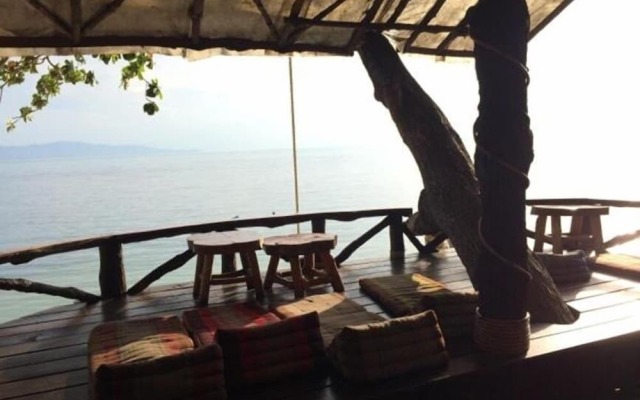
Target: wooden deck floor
x=43 y=356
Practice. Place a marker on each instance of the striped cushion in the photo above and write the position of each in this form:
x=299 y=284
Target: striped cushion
x=403 y=295
x=203 y=323
x=152 y=358
x=400 y=295
x=390 y=348
x=270 y=352
x=334 y=310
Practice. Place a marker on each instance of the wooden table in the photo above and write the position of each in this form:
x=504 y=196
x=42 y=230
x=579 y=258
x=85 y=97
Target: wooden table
x=313 y=247
x=226 y=243
x=585 y=232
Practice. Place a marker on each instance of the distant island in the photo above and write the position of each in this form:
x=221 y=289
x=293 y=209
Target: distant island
x=77 y=149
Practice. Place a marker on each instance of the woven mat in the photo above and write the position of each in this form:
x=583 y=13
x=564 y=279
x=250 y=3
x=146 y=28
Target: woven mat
x=617 y=264
x=335 y=312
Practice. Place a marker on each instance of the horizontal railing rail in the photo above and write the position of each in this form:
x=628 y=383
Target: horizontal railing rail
x=112 y=277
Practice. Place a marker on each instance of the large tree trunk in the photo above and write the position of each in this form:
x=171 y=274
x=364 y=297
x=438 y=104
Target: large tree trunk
x=451 y=196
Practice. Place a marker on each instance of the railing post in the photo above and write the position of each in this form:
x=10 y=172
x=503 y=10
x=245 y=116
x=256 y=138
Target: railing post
x=113 y=282
x=396 y=240
x=318 y=225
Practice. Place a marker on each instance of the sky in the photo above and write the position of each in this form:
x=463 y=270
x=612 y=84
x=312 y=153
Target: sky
x=584 y=88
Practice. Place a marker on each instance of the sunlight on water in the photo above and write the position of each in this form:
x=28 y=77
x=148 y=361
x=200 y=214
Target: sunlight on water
x=62 y=199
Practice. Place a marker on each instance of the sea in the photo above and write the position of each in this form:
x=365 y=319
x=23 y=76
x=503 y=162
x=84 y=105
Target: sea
x=46 y=200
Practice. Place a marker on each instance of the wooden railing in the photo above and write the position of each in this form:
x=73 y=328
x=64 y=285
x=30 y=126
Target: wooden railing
x=112 y=277
x=616 y=240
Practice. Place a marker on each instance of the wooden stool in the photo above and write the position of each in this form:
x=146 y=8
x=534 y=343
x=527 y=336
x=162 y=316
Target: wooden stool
x=206 y=245
x=310 y=245
x=585 y=232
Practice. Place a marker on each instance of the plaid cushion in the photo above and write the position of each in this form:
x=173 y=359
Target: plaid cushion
x=203 y=323
x=570 y=267
x=270 y=352
x=152 y=358
x=334 y=310
x=404 y=295
x=390 y=348
x=400 y=295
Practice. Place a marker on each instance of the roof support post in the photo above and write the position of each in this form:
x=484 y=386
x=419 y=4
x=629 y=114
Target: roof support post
x=503 y=155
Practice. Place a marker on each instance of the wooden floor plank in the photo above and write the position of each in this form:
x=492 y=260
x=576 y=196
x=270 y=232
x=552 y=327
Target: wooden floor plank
x=43 y=356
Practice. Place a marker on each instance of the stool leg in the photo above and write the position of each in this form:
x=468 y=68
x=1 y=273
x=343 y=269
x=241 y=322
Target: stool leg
x=596 y=233
x=556 y=234
x=541 y=225
x=331 y=269
x=309 y=265
x=296 y=276
x=205 y=280
x=196 y=279
x=271 y=271
x=250 y=265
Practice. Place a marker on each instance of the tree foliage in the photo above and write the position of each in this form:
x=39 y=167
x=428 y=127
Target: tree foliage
x=54 y=73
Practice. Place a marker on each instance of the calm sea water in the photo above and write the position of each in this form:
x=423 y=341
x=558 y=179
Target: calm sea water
x=49 y=200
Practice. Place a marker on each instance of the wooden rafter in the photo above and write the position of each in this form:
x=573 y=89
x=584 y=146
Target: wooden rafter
x=430 y=15
x=402 y=4
x=373 y=26
x=461 y=30
x=267 y=19
x=196 y=11
x=51 y=16
x=368 y=17
x=295 y=13
x=549 y=18
x=101 y=15
x=76 y=19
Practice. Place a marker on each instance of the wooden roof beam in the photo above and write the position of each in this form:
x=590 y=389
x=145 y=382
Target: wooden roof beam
x=293 y=32
x=430 y=15
x=101 y=15
x=267 y=19
x=76 y=19
x=402 y=4
x=549 y=18
x=374 y=26
x=196 y=11
x=51 y=16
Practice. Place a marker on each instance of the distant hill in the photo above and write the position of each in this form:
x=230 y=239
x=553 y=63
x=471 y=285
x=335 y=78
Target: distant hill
x=75 y=149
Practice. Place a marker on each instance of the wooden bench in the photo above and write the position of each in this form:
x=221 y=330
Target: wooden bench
x=227 y=243
x=585 y=233
x=318 y=266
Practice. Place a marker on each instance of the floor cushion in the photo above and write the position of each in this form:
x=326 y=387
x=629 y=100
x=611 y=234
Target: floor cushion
x=335 y=311
x=273 y=351
x=152 y=359
x=203 y=323
x=402 y=295
x=393 y=347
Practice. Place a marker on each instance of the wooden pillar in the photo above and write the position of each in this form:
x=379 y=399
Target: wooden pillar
x=504 y=152
x=396 y=240
x=112 y=278
x=318 y=225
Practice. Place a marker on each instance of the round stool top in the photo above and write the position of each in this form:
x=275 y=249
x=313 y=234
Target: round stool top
x=299 y=243
x=569 y=210
x=224 y=242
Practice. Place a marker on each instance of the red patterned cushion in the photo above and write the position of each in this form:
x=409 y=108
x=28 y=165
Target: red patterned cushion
x=152 y=358
x=274 y=351
x=203 y=323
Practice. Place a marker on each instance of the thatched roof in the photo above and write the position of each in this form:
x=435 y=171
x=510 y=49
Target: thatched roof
x=219 y=26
